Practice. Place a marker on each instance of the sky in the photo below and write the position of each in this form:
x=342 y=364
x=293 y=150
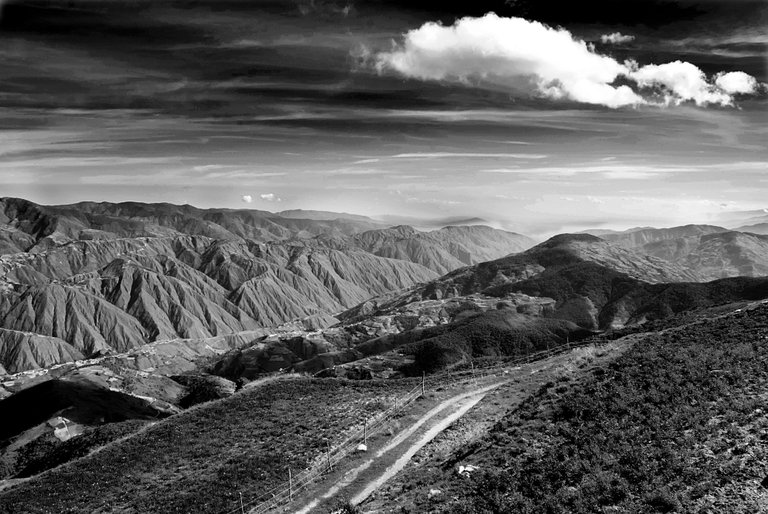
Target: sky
x=535 y=116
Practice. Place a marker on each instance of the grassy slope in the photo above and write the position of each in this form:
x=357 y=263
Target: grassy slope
x=677 y=423
x=199 y=460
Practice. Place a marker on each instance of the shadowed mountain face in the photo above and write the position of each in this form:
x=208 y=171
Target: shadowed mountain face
x=96 y=278
x=559 y=252
x=594 y=283
x=81 y=402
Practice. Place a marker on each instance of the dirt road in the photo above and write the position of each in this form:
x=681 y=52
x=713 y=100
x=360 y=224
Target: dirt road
x=375 y=479
x=359 y=482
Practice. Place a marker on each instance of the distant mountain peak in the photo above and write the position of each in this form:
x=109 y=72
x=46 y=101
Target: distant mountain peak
x=566 y=239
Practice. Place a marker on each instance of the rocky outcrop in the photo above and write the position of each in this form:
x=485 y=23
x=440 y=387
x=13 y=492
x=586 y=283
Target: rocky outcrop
x=13 y=240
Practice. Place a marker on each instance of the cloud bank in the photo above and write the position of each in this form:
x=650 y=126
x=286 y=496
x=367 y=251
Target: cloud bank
x=247 y=198
x=530 y=57
x=616 y=38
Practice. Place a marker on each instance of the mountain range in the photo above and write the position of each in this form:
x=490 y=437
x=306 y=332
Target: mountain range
x=92 y=279
x=711 y=251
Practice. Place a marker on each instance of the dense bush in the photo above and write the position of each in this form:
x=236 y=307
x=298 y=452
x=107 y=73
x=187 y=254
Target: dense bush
x=47 y=453
x=676 y=423
x=500 y=333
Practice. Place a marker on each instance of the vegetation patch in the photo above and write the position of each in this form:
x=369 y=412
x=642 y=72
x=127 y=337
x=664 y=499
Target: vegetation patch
x=200 y=460
x=678 y=423
x=501 y=333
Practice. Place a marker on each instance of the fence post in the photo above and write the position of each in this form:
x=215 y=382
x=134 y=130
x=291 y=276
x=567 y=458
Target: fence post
x=423 y=379
x=290 y=485
x=330 y=467
x=242 y=508
x=365 y=431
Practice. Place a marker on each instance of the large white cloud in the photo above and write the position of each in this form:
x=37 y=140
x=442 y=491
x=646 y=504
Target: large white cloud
x=519 y=54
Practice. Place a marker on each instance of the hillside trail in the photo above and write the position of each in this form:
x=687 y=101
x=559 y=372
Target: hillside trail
x=503 y=387
x=358 y=483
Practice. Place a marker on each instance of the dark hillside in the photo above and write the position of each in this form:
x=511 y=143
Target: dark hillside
x=501 y=333
x=597 y=297
x=676 y=424
x=82 y=402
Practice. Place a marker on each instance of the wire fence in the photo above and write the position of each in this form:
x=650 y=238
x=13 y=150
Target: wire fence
x=284 y=494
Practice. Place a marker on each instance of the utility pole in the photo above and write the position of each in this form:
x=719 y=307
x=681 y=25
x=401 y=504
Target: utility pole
x=290 y=485
x=330 y=467
x=365 y=432
x=242 y=507
x=423 y=379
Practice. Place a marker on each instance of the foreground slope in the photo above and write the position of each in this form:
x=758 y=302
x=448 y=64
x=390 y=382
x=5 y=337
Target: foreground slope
x=676 y=424
x=200 y=460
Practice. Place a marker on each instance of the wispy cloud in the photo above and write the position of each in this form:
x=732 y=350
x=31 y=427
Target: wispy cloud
x=616 y=38
x=471 y=155
x=621 y=171
x=90 y=162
